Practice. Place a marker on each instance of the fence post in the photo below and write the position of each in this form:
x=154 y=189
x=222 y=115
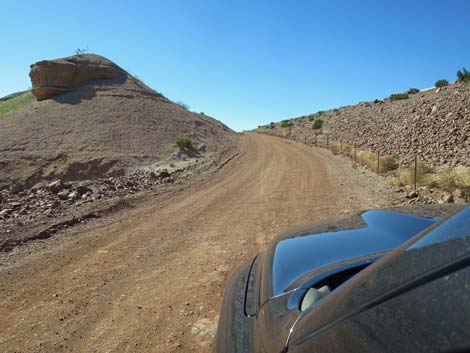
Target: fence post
x=316 y=139
x=341 y=145
x=416 y=173
x=355 y=160
x=378 y=162
x=327 y=143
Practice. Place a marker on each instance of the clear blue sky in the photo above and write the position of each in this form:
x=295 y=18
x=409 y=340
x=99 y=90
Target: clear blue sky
x=248 y=62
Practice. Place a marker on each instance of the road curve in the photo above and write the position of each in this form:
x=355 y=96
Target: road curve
x=150 y=279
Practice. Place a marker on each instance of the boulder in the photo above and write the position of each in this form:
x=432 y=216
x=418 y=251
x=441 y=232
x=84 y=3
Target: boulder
x=164 y=174
x=82 y=190
x=56 y=186
x=50 y=78
x=459 y=196
x=73 y=195
x=63 y=194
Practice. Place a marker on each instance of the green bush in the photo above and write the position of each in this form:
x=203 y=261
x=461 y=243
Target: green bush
x=311 y=118
x=321 y=112
x=413 y=91
x=184 y=143
x=463 y=75
x=399 y=96
x=317 y=124
x=287 y=123
x=441 y=83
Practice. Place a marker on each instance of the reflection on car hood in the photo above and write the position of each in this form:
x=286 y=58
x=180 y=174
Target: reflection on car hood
x=299 y=255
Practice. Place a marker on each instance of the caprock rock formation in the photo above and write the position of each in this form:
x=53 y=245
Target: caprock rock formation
x=53 y=77
x=92 y=119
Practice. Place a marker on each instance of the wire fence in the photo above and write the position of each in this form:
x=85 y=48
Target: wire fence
x=408 y=170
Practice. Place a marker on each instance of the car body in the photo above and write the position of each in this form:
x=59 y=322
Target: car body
x=379 y=281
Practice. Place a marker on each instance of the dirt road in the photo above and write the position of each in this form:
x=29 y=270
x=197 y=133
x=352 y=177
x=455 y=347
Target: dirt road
x=150 y=279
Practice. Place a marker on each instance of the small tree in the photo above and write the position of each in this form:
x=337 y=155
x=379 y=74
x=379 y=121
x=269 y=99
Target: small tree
x=184 y=143
x=463 y=75
x=317 y=124
x=80 y=52
x=441 y=83
x=412 y=91
x=183 y=105
x=399 y=96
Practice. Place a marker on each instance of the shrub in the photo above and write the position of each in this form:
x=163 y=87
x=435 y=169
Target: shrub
x=388 y=163
x=184 y=143
x=183 y=105
x=317 y=124
x=272 y=125
x=347 y=150
x=321 y=112
x=449 y=179
x=335 y=148
x=463 y=75
x=287 y=123
x=367 y=159
x=311 y=118
x=441 y=83
x=413 y=91
x=399 y=96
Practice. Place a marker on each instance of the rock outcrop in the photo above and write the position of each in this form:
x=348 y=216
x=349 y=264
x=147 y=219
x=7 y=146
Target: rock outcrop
x=53 y=77
x=100 y=122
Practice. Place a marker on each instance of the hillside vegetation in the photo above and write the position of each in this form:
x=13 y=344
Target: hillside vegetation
x=16 y=103
x=388 y=136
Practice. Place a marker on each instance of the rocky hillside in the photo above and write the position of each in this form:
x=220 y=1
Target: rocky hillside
x=90 y=118
x=434 y=124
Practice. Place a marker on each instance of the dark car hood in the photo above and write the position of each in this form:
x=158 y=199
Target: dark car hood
x=293 y=256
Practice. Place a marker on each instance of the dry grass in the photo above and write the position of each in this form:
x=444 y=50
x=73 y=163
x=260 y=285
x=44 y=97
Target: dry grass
x=450 y=179
x=335 y=148
x=388 y=163
x=423 y=175
x=346 y=149
x=366 y=158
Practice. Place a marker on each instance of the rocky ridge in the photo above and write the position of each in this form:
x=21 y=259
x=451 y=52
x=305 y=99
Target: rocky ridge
x=433 y=124
x=51 y=78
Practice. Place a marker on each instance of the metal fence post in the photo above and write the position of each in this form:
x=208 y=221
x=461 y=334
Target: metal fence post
x=355 y=159
x=341 y=146
x=416 y=172
x=327 y=143
x=378 y=162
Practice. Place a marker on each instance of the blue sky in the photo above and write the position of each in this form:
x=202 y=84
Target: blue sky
x=248 y=62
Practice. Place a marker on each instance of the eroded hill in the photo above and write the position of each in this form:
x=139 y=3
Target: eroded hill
x=90 y=118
